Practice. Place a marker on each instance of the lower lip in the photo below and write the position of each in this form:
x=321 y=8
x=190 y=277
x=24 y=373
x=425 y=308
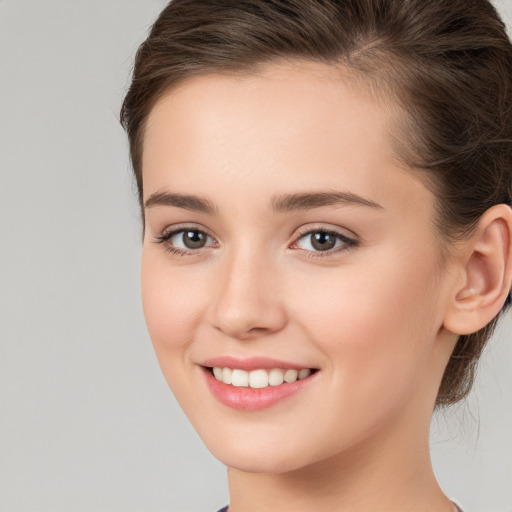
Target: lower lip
x=253 y=399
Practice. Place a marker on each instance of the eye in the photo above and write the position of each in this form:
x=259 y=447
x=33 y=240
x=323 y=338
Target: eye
x=324 y=241
x=185 y=241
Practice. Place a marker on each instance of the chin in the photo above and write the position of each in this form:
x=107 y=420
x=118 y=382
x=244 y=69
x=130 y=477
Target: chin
x=269 y=464
x=254 y=458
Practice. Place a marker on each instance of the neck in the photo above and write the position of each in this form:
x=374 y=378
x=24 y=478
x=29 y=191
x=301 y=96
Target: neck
x=392 y=473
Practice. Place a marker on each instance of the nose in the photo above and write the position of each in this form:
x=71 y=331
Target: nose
x=248 y=303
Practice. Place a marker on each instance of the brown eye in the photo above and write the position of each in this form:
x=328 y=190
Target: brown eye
x=194 y=239
x=184 y=239
x=322 y=241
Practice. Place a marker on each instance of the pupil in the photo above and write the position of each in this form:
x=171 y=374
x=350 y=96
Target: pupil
x=193 y=239
x=323 y=241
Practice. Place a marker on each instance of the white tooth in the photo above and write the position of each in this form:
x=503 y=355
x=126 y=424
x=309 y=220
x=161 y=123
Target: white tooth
x=217 y=372
x=291 y=375
x=305 y=372
x=258 y=379
x=240 y=378
x=227 y=375
x=275 y=377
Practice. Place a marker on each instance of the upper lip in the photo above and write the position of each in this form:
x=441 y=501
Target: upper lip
x=251 y=363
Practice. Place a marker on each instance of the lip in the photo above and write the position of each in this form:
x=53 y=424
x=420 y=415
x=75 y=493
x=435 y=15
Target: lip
x=254 y=399
x=251 y=363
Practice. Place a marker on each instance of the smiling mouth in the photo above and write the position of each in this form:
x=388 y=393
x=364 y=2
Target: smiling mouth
x=260 y=378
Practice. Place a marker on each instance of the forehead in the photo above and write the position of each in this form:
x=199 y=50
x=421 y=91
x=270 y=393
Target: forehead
x=305 y=123
x=298 y=88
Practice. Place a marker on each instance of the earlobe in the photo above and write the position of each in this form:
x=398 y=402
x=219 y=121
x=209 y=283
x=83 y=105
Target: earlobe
x=486 y=269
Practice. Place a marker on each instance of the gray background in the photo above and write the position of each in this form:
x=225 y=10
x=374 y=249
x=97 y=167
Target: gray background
x=87 y=422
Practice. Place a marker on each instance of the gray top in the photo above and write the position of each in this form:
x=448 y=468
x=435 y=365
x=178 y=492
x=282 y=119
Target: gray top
x=225 y=509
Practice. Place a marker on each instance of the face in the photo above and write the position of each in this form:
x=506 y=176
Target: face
x=282 y=234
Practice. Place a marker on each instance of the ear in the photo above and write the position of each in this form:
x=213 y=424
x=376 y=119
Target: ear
x=485 y=270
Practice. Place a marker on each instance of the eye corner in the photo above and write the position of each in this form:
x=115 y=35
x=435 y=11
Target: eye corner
x=347 y=242
x=165 y=236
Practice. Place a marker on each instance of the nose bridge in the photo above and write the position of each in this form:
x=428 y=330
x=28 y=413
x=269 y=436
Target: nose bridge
x=248 y=303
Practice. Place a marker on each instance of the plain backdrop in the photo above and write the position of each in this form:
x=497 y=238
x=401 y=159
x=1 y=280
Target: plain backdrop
x=87 y=422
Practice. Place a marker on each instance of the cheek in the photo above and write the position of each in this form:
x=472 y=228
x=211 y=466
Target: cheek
x=171 y=300
x=376 y=324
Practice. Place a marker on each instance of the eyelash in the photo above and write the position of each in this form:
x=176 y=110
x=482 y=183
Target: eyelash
x=164 y=238
x=348 y=243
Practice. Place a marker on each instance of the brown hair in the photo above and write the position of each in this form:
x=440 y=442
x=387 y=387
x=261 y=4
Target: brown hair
x=446 y=63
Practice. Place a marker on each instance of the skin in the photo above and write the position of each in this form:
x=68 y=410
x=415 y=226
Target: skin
x=370 y=317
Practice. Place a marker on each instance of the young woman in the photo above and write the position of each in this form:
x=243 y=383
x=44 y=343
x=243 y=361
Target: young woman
x=325 y=189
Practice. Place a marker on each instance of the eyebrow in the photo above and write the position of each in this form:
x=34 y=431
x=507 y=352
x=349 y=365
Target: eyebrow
x=186 y=201
x=282 y=203
x=308 y=201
